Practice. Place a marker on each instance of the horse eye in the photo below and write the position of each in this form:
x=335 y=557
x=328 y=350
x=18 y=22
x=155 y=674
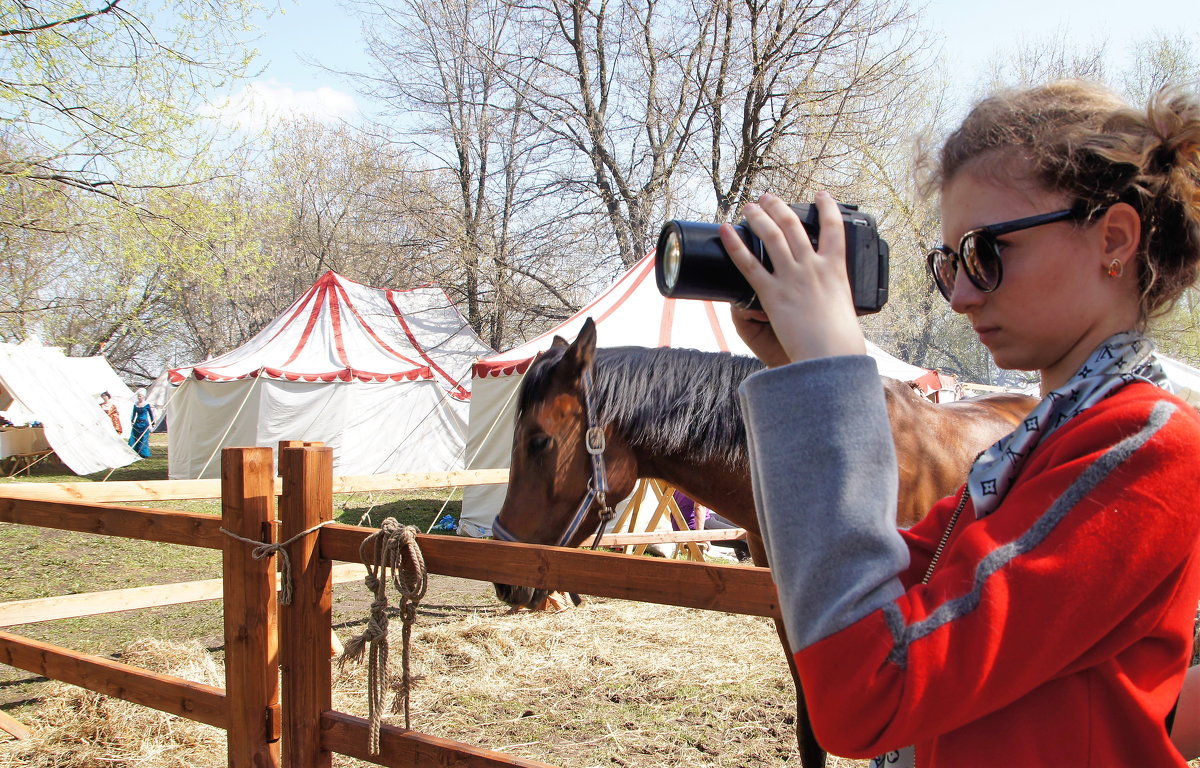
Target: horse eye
x=538 y=443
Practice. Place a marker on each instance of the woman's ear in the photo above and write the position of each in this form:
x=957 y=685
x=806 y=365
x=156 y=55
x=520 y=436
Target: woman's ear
x=1121 y=227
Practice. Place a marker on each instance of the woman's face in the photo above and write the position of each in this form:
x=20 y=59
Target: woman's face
x=1056 y=302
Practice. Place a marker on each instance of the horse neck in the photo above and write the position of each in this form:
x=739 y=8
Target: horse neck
x=713 y=483
x=710 y=481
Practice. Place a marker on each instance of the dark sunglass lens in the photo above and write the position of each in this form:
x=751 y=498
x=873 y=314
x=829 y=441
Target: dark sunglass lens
x=943 y=267
x=981 y=259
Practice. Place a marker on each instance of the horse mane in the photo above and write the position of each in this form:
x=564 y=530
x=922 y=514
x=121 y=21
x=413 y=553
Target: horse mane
x=662 y=399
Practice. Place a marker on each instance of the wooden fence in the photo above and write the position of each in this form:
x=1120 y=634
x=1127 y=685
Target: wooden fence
x=278 y=682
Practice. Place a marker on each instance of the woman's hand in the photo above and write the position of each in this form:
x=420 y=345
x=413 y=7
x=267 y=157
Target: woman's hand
x=808 y=310
x=754 y=327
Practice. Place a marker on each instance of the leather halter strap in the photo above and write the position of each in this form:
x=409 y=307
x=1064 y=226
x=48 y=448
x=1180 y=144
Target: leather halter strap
x=597 y=489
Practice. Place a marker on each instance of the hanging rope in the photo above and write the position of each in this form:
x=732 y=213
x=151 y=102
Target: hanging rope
x=263 y=549
x=394 y=556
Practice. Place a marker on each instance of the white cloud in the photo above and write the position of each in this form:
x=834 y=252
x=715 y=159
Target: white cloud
x=260 y=104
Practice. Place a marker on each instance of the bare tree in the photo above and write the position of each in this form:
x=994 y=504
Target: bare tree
x=696 y=107
x=504 y=235
x=794 y=89
x=1053 y=56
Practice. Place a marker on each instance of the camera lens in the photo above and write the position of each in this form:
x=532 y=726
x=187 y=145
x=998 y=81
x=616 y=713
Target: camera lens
x=691 y=263
x=672 y=254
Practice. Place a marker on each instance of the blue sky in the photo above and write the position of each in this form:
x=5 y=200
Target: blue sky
x=975 y=32
x=971 y=32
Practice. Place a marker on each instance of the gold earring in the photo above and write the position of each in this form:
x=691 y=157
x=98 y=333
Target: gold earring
x=1115 y=268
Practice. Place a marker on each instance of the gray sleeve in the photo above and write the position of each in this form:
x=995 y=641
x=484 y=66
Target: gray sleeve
x=823 y=467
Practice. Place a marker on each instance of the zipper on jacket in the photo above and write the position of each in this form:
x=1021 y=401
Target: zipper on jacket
x=937 y=555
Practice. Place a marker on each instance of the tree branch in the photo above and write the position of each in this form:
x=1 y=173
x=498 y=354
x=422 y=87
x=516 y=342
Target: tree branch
x=52 y=24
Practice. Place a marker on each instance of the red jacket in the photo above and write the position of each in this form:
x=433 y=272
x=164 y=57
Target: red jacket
x=1054 y=632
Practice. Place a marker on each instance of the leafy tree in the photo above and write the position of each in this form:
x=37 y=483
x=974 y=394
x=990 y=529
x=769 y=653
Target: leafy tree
x=101 y=106
x=88 y=92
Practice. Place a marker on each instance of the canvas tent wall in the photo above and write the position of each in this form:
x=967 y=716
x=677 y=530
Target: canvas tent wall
x=55 y=390
x=158 y=394
x=630 y=313
x=1185 y=380
x=379 y=375
x=94 y=375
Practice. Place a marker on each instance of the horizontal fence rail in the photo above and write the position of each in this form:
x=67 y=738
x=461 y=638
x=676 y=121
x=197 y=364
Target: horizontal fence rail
x=166 y=693
x=176 y=490
x=163 y=525
x=39 y=609
x=730 y=588
x=672 y=537
x=400 y=748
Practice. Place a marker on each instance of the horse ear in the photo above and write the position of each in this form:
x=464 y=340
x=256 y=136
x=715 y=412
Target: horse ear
x=578 y=357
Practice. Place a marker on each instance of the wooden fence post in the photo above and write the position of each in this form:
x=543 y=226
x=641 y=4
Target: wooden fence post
x=251 y=640
x=306 y=501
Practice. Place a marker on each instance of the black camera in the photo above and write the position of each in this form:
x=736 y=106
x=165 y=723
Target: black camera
x=691 y=263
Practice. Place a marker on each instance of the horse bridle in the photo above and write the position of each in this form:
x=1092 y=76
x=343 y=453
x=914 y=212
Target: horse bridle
x=597 y=492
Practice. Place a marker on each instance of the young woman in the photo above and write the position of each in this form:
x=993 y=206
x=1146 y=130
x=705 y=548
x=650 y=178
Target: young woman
x=1044 y=615
x=141 y=425
x=110 y=408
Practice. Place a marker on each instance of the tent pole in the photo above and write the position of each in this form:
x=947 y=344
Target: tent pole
x=221 y=442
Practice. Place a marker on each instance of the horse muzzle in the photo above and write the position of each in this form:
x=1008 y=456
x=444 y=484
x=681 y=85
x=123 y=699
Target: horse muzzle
x=521 y=597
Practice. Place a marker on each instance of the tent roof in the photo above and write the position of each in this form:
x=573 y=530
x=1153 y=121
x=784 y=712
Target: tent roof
x=633 y=313
x=96 y=375
x=340 y=330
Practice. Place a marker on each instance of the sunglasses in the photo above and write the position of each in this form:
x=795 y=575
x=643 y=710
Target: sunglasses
x=979 y=251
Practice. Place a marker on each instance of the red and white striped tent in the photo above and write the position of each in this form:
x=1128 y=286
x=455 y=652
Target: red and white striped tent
x=630 y=313
x=379 y=375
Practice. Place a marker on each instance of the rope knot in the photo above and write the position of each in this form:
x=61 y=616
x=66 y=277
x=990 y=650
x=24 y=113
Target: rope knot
x=396 y=557
x=264 y=549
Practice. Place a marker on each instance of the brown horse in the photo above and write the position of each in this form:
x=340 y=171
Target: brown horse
x=673 y=414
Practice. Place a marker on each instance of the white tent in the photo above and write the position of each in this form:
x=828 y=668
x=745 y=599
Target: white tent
x=1185 y=379
x=378 y=375
x=158 y=394
x=94 y=375
x=56 y=391
x=630 y=313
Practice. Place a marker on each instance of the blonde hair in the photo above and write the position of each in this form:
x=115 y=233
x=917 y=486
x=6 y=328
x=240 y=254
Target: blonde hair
x=1084 y=141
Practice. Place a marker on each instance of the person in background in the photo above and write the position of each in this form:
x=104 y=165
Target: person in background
x=141 y=425
x=1042 y=616
x=693 y=514
x=109 y=407
x=699 y=517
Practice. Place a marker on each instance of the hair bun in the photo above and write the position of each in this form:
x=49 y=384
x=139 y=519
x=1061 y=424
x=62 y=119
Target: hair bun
x=1176 y=121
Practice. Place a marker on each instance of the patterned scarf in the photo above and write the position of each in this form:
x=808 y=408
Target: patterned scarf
x=1121 y=359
